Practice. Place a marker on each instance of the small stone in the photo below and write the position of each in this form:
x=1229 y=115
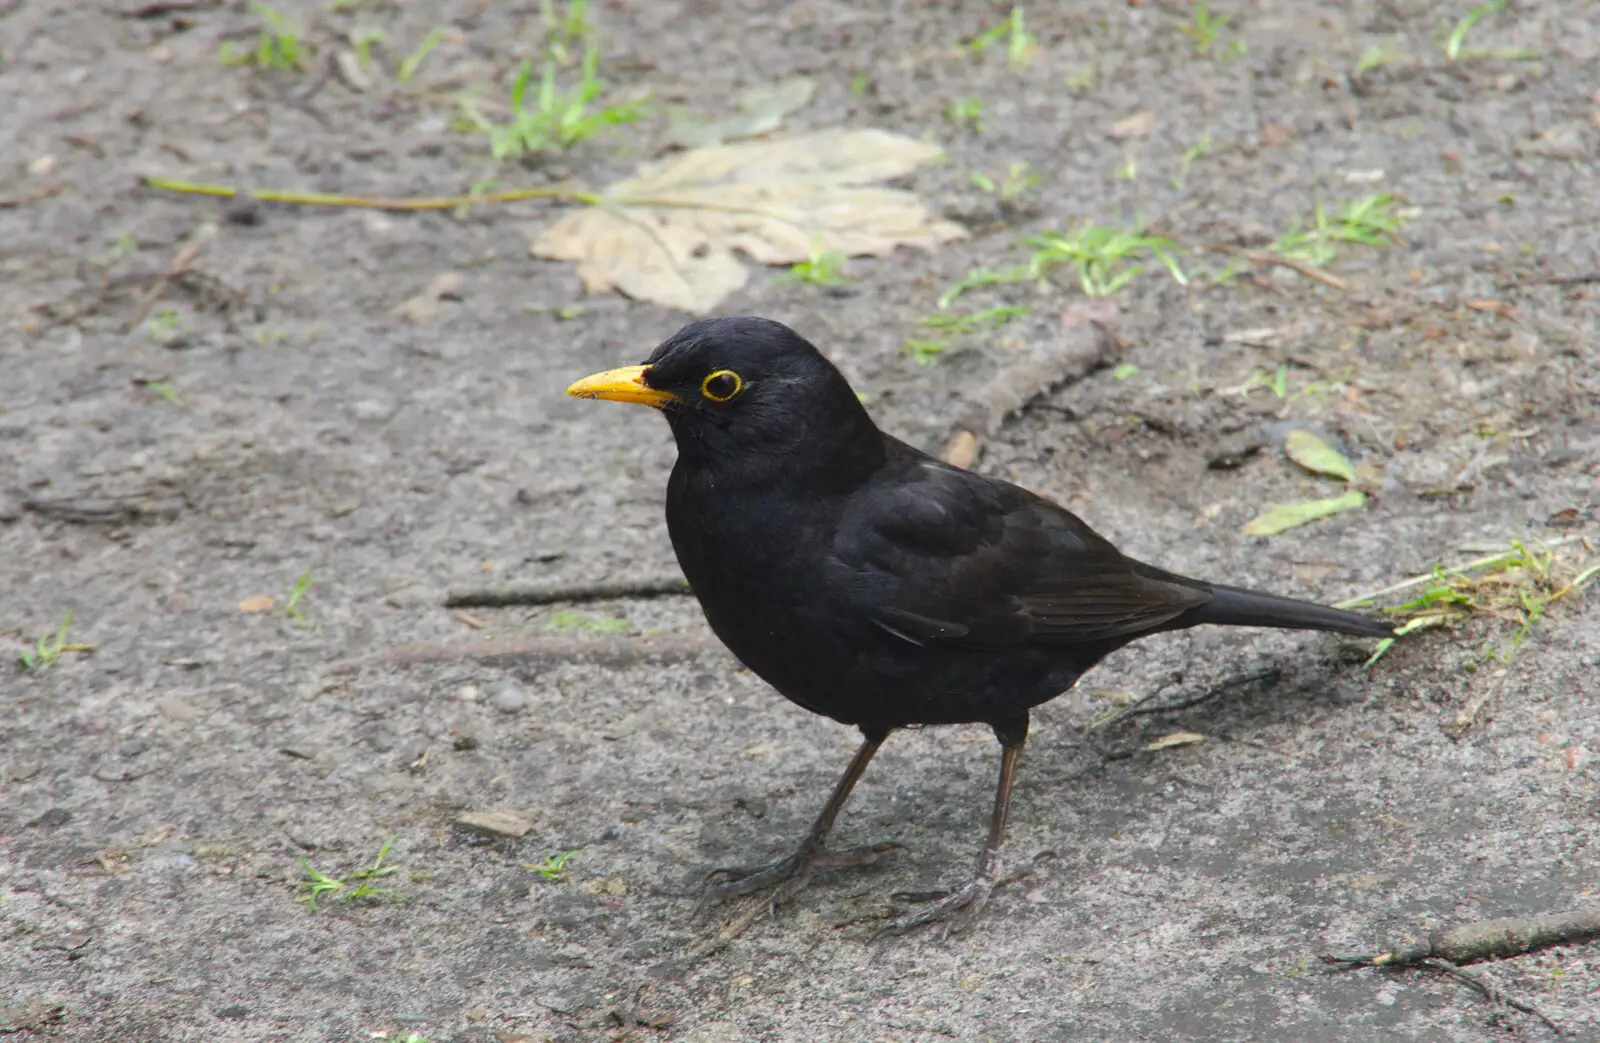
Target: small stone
x=233 y=1011
x=468 y=693
x=177 y=711
x=52 y=818
x=496 y=823
x=371 y=409
x=464 y=741
x=133 y=747
x=508 y=698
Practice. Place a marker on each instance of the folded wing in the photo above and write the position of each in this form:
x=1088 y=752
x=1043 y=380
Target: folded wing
x=941 y=554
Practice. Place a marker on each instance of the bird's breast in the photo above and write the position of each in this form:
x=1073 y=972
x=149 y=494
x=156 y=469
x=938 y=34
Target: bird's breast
x=755 y=562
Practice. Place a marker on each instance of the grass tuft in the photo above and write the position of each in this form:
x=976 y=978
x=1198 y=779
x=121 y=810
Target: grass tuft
x=51 y=647
x=1103 y=257
x=1020 y=44
x=278 y=45
x=822 y=268
x=1369 y=221
x=357 y=884
x=1517 y=586
x=1204 y=30
x=555 y=118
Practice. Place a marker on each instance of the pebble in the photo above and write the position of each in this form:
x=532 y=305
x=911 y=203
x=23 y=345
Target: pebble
x=496 y=823
x=508 y=698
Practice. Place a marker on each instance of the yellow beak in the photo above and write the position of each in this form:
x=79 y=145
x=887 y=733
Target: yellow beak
x=621 y=385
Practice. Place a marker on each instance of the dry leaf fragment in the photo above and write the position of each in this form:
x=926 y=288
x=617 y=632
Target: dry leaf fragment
x=259 y=603
x=496 y=823
x=961 y=450
x=1292 y=515
x=1172 y=739
x=668 y=234
x=1317 y=455
x=1498 y=307
x=426 y=306
x=1135 y=126
x=606 y=885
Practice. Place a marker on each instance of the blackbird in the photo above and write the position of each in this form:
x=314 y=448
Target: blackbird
x=879 y=586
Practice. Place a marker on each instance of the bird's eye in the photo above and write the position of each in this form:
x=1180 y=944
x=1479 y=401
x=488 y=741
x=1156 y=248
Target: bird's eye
x=722 y=385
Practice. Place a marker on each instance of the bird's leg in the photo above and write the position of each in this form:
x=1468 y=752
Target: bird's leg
x=790 y=875
x=970 y=898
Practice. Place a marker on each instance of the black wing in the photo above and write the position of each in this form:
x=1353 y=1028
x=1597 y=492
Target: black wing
x=942 y=554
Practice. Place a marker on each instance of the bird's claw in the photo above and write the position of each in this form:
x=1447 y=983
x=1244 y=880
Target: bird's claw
x=956 y=909
x=965 y=902
x=787 y=876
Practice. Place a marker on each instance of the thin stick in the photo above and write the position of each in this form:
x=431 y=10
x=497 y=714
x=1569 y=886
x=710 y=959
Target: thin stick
x=622 y=651
x=195 y=188
x=1490 y=992
x=1469 y=715
x=1140 y=708
x=1496 y=939
x=1442 y=951
x=31 y=197
x=180 y=264
x=1310 y=271
x=507 y=597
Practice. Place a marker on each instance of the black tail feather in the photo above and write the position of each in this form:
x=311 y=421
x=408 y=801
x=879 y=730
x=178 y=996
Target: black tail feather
x=1230 y=606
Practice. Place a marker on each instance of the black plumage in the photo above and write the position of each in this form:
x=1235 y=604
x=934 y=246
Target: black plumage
x=872 y=583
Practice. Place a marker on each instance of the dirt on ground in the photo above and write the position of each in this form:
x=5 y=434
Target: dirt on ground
x=252 y=448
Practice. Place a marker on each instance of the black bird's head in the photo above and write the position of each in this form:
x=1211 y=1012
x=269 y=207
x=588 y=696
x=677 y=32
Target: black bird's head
x=742 y=391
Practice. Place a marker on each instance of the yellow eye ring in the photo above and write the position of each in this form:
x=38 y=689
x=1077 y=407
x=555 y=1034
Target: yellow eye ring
x=721 y=386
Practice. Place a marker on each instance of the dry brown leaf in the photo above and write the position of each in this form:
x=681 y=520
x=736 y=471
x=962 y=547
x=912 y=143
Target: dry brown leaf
x=1172 y=739
x=668 y=234
x=259 y=603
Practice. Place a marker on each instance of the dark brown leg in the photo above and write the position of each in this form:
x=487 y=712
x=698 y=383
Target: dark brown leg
x=971 y=897
x=792 y=874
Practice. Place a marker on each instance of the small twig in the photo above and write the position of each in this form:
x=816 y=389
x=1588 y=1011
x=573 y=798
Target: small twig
x=1489 y=990
x=1469 y=714
x=1310 y=271
x=180 y=264
x=31 y=197
x=1084 y=344
x=104 y=511
x=1553 y=280
x=1499 y=938
x=1140 y=708
x=512 y=195
x=581 y=592
x=620 y=651
x=733 y=929
x=1495 y=939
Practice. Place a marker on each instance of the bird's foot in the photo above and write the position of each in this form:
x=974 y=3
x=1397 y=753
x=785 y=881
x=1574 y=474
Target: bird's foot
x=788 y=876
x=957 y=909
